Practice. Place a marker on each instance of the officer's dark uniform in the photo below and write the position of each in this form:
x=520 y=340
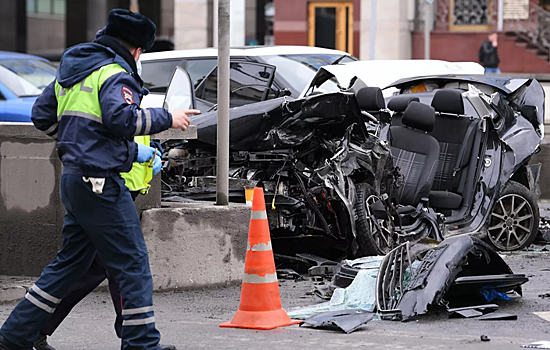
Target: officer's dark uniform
x=92 y=108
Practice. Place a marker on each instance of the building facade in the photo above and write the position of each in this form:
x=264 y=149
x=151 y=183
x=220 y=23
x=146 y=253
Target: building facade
x=346 y=25
x=460 y=26
x=47 y=27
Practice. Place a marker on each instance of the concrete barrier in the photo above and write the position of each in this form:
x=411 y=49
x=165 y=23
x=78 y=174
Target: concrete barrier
x=194 y=245
x=31 y=212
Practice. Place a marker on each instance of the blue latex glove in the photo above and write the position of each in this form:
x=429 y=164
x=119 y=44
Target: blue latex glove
x=145 y=153
x=157 y=165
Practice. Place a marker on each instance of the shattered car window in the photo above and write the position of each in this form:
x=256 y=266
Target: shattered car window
x=298 y=70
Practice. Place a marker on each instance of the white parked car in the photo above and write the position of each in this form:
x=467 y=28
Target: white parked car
x=295 y=67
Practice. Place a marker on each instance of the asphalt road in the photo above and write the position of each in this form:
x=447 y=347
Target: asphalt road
x=190 y=320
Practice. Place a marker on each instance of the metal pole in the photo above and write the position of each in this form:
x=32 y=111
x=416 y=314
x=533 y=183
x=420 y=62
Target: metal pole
x=222 y=166
x=500 y=24
x=427 y=17
x=372 y=37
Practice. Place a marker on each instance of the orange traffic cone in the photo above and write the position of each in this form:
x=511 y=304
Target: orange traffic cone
x=260 y=306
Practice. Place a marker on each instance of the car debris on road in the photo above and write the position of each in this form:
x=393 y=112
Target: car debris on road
x=346 y=320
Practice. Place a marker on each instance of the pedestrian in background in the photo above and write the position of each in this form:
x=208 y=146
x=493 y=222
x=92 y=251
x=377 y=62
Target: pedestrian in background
x=92 y=110
x=488 y=54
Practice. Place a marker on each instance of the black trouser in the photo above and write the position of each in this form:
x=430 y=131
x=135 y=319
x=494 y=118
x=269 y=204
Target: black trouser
x=78 y=291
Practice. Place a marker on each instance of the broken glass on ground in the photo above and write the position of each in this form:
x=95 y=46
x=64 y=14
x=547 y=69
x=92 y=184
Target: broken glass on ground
x=360 y=294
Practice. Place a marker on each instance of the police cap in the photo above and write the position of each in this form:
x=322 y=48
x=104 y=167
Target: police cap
x=133 y=28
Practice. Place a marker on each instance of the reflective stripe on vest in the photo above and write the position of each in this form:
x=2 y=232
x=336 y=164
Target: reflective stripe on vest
x=140 y=176
x=82 y=99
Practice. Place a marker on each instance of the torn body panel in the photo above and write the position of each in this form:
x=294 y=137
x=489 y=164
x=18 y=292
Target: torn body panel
x=454 y=262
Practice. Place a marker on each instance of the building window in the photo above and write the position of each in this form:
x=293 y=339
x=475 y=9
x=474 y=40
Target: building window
x=31 y=6
x=470 y=14
x=330 y=25
x=49 y=7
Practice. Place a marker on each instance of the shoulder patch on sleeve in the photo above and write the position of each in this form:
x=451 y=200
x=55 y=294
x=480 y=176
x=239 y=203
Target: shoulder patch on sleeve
x=127 y=95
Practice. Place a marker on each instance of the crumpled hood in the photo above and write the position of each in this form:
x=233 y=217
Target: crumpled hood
x=81 y=60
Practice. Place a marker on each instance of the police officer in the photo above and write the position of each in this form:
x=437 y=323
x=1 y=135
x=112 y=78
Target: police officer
x=92 y=109
x=138 y=182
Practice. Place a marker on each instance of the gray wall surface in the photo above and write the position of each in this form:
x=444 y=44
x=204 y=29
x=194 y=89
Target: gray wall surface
x=31 y=213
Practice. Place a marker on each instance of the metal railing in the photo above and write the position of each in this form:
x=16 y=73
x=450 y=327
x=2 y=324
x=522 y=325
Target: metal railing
x=474 y=12
x=531 y=22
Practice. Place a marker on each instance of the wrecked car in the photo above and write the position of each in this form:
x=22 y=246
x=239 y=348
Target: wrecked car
x=313 y=156
x=464 y=160
x=348 y=176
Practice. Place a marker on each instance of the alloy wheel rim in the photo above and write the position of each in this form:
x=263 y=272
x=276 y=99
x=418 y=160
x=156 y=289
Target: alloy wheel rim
x=511 y=222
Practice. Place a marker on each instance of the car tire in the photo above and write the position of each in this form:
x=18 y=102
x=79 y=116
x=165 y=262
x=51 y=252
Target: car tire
x=515 y=218
x=364 y=225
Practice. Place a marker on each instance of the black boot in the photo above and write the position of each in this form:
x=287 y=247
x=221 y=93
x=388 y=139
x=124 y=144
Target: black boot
x=42 y=343
x=7 y=345
x=167 y=347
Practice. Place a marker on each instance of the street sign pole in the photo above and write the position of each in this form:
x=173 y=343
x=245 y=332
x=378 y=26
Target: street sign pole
x=427 y=25
x=222 y=163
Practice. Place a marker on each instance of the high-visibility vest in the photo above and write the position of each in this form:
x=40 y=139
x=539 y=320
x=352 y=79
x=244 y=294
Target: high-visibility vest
x=82 y=99
x=140 y=176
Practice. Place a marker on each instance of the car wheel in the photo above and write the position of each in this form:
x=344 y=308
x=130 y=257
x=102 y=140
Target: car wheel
x=373 y=237
x=514 y=221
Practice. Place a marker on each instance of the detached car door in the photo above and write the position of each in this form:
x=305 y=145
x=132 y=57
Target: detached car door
x=250 y=82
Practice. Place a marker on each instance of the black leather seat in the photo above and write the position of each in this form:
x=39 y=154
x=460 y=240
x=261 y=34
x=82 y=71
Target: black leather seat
x=415 y=152
x=455 y=133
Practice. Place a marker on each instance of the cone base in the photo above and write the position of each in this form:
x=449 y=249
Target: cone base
x=260 y=320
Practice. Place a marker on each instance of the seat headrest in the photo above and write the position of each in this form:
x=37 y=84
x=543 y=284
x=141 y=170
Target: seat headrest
x=370 y=99
x=399 y=103
x=448 y=101
x=419 y=116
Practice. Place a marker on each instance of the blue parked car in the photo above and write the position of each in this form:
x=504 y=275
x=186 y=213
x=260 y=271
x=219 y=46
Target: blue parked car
x=22 y=78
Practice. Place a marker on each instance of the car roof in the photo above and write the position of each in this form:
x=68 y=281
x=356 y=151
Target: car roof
x=240 y=51
x=17 y=55
x=505 y=84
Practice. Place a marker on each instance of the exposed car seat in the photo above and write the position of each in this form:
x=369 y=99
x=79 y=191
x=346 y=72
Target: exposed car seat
x=415 y=152
x=455 y=133
x=399 y=103
x=371 y=100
